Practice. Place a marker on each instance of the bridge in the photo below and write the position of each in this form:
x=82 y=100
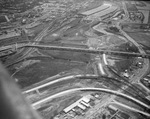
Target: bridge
x=71 y=49
x=62 y=48
x=92 y=51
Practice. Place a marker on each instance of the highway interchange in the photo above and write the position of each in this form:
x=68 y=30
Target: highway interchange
x=101 y=60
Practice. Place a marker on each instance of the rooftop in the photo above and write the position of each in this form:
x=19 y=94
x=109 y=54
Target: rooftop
x=77 y=103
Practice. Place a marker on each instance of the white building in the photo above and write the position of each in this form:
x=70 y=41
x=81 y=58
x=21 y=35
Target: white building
x=81 y=106
x=84 y=102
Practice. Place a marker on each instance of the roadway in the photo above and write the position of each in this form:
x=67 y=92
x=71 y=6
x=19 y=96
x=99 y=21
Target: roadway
x=134 y=79
x=54 y=27
x=120 y=105
x=106 y=52
x=28 y=51
x=71 y=49
x=36 y=104
x=37 y=38
x=58 y=78
x=110 y=99
x=144 y=70
x=142 y=52
x=52 y=47
x=51 y=81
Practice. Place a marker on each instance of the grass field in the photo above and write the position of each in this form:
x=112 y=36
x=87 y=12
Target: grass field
x=45 y=68
x=74 y=56
x=106 y=41
x=13 y=40
x=92 y=5
x=131 y=7
x=141 y=38
x=122 y=65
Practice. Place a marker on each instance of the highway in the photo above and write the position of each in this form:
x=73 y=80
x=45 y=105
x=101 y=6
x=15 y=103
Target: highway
x=71 y=49
x=56 y=81
x=101 y=69
x=29 y=50
x=90 y=89
x=50 y=47
x=37 y=38
x=141 y=54
x=105 y=59
x=57 y=24
x=127 y=82
x=58 y=78
x=130 y=108
x=135 y=79
x=109 y=52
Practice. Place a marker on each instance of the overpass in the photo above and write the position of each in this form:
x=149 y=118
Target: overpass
x=71 y=49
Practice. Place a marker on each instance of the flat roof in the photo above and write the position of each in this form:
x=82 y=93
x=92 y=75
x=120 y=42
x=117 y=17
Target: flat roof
x=86 y=104
x=86 y=99
x=81 y=106
x=112 y=107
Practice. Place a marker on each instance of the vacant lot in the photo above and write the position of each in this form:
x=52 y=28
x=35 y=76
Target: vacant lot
x=92 y=5
x=131 y=7
x=74 y=56
x=141 y=38
x=121 y=63
x=45 y=68
x=13 y=40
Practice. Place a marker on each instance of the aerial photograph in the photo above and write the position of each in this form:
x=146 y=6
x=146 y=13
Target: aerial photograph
x=74 y=59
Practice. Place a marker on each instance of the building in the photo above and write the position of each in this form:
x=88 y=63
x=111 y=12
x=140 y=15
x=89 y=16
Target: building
x=85 y=104
x=113 y=108
x=67 y=109
x=81 y=106
x=82 y=103
x=87 y=98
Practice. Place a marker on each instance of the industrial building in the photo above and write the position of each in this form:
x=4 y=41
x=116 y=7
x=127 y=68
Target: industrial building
x=82 y=103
